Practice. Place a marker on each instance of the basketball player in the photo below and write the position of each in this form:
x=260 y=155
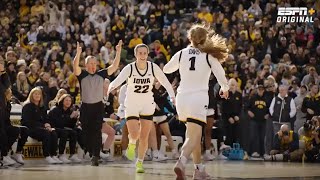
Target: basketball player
x=195 y=64
x=139 y=102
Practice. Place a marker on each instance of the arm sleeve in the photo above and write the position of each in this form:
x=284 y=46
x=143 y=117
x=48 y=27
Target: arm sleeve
x=124 y=74
x=53 y=117
x=250 y=104
x=163 y=80
x=173 y=64
x=271 y=106
x=82 y=75
x=293 y=108
x=219 y=73
x=304 y=107
x=122 y=94
x=103 y=73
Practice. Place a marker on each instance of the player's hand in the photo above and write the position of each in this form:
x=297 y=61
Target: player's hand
x=173 y=100
x=79 y=48
x=119 y=46
x=224 y=94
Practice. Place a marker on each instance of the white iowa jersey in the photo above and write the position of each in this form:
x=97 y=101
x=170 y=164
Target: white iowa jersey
x=140 y=83
x=195 y=68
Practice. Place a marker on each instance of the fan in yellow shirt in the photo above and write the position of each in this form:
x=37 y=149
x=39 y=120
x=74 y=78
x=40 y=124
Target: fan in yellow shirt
x=205 y=14
x=37 y=9
x=135 y=41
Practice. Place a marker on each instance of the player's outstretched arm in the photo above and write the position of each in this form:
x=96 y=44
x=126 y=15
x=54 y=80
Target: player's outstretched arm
x=163 y=81
x=124 y=74
x=76 y=67
x=114 y=66
x=173 y=64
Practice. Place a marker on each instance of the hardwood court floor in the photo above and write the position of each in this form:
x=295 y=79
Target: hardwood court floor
x=122 y=170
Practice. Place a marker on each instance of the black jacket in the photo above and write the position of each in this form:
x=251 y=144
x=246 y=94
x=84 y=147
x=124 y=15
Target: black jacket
x=34 y=116
x=232 y=106
x=60 y=118
x=4 y=85
x=258 y=105
x=311 y=102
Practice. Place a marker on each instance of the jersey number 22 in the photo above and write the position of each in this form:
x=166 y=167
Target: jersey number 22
x=141 y=89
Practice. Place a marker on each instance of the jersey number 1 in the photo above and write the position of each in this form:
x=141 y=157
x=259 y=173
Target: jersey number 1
x=193 y=61
x=141 y=89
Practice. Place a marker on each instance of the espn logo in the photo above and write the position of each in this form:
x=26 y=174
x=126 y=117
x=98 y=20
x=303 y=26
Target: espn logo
x=295 y=14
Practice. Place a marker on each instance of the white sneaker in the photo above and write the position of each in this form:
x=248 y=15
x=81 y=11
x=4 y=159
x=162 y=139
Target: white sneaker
x=104 y=155
x=267 y=157
x=50 y=160
x=86 y=157
x=74 y=158
x=208 y=157
x=57 y=159
x=223 y=147
x=19 y=158
x=255 y=155
x=222 y=157
x=64 y=159
x=7 y=161
x=159 y=158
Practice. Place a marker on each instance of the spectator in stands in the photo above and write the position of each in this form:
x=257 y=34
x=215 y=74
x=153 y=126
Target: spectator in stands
x=63 y=118
x=54 y=102
x=21 y=88
x=301 y=117
x=34 y=116
x=310 y=78
x=310 y=104
x=4 y=85
x=259 y=113
x=12 y=134
x=285 y=146
x=33 y=75
x=282 y=109
x=231 y=109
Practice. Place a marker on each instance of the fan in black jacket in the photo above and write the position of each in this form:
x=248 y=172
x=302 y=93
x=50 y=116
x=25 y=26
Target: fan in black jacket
x=231 y=109
x=258 y=111
x=12 y=133
x=34 y=116
x=64 y=119
x=4 y=85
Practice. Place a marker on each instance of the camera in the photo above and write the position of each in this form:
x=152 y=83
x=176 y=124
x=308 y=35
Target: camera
x=309 y=125
x=285 y=133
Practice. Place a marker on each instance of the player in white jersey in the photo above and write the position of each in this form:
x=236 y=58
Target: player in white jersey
x=195 y=64
x=139 y=102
